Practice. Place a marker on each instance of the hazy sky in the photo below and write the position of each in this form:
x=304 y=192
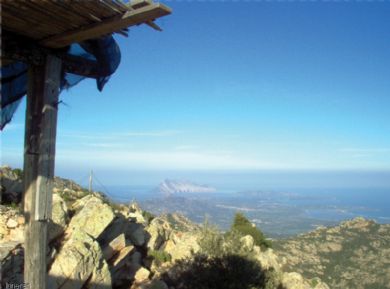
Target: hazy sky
x=235 y=85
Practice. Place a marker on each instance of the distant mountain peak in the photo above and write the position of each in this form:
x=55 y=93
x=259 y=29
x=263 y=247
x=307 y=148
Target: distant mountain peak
x=169 y=187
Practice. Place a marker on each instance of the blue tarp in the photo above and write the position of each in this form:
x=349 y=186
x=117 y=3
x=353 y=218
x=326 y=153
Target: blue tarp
x=105 y=51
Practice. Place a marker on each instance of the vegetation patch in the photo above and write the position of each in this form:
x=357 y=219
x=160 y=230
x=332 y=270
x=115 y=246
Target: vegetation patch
x=159 y=256
x=243 y=226
x=228 y=271
x=18 y=173
x=148 y=216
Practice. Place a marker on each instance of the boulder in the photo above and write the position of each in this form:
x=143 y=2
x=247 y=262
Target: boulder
x=134 y=263
x=11 y=185
x=59 y=213
x=114 y=247
x=120 y=259
x=16 y=234
x=181 y=245
x=154 y=284
x=141 y=275
x=3 y=226
x=116 y=228
x=12 y=223
x=101 y=276
x=136 y=234
x=157 y=284
x=293 y=280
x=93 y=217
x=247 y=242
x=137 y=217
x=10 y=229
x=159 y=231
x=59 y=218
x=268 y=259
x=21 y=220
x=80 y=259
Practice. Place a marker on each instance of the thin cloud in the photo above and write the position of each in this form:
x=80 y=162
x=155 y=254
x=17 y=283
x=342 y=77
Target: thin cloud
x=103 y=145
x=162 y=133
x=365 y=150
x=120 y=135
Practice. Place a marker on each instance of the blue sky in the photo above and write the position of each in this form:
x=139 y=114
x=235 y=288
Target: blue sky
x=235 y=86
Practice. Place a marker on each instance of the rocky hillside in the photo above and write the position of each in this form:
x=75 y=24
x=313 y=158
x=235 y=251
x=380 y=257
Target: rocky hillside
x=94 y=243
x=355 y=254
x=11 y=186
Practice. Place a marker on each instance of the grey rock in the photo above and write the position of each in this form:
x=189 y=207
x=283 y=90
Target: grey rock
x=93 y=218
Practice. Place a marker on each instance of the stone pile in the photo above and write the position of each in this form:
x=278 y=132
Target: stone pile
x=91 y=245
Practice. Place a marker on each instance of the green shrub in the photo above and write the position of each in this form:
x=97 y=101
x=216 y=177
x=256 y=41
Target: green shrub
x=148 y=216
x=243 y=226
x=160 y=256
x=18 y=173
x=211 y=240
x=13 y=206
x=314 y=283
x=225 y=272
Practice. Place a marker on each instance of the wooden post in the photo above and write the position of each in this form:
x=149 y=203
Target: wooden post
x=39 y=155
x=90 y=182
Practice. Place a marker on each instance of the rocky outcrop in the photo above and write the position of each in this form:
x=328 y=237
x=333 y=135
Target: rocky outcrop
x=80 y=259
x=11 y=225
x=11 y=185
x=11 y=262
x=351 y=255
x=293 y=280
x=181 y=245
x=93 y=216
x=59 y=218
x=159 y=231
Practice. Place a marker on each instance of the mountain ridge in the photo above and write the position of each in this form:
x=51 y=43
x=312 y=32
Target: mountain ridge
x=169 y=187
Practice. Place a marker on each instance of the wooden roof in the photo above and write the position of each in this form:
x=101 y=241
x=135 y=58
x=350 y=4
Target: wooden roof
x=56 y=24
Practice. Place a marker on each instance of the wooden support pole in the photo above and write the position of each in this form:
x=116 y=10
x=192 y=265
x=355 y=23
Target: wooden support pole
x=39 y=155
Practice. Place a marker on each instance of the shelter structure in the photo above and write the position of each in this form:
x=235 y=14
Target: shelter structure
x=47 y=46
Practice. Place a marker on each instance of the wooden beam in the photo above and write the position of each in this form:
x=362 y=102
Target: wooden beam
x=25 y=50
x=107 y=26
x=39 y=155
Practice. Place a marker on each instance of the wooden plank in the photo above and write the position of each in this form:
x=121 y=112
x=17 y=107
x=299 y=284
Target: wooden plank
x=135 y=4
x=134 y=17
x=45 y=17
x=39 y=152
x=20 y=15
x=78 y=9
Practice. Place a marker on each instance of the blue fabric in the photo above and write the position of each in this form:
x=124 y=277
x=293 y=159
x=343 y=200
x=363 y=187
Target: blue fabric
x=105 y=51
x=13 y=88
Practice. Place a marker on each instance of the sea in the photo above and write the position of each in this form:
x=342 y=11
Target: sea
x=281 y=203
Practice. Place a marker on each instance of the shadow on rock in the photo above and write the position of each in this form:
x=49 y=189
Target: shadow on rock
x=228 y=272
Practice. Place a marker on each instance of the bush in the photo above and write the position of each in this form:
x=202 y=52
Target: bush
x=160 y=256
x=314 y=283
x=148 y=216
x=14 y=206
x=226 y=272
x=18 y=173
x=243 y=226
x=211 y=240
